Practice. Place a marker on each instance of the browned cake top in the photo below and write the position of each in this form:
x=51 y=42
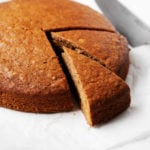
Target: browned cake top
x=52 y=14
x=28 y=64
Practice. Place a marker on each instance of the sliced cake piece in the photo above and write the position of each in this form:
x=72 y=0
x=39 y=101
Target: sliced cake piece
x=102 y=93
x=110 y=49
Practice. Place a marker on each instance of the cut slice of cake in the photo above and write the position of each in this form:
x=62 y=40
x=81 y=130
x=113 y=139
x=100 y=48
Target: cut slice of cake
x=102 y=93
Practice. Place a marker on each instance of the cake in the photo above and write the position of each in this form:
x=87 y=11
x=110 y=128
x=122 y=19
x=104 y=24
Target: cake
x=49 y=46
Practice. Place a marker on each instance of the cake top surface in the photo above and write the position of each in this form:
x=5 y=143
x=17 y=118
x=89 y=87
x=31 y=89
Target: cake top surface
x=28 y=64
x=51 y=15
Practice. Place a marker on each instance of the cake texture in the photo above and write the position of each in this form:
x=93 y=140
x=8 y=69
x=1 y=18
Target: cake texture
x=103 y=94
x=39 y=39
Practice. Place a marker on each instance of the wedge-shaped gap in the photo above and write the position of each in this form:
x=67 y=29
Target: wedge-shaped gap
x=58 y=51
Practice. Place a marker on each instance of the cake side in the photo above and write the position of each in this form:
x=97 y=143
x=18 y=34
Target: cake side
x=58 y=102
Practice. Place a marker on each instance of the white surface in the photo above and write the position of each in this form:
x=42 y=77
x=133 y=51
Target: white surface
x=129 y=131
x=139 y=8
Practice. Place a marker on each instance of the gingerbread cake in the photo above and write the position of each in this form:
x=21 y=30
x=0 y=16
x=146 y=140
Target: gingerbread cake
x=102 y=93
x=45 y=44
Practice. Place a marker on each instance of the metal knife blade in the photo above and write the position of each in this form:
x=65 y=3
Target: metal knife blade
x=136 y=31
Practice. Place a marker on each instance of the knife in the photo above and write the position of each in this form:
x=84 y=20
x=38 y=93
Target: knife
x=136 y=31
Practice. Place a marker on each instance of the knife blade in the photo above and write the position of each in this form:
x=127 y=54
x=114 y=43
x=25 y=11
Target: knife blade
x=136 y=31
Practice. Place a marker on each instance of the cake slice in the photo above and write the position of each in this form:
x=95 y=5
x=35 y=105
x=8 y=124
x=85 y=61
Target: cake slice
x=103 y=94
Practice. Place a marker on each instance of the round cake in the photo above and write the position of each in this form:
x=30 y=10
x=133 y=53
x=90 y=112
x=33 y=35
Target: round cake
x=52 y=49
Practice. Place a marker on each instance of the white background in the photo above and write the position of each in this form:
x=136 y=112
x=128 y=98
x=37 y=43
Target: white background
x=129 y=131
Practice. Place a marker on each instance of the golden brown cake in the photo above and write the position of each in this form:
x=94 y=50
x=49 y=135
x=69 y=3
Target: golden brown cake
x=33 y=74
x=102 y=93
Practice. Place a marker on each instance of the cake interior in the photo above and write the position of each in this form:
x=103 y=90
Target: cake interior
x=78 y=84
